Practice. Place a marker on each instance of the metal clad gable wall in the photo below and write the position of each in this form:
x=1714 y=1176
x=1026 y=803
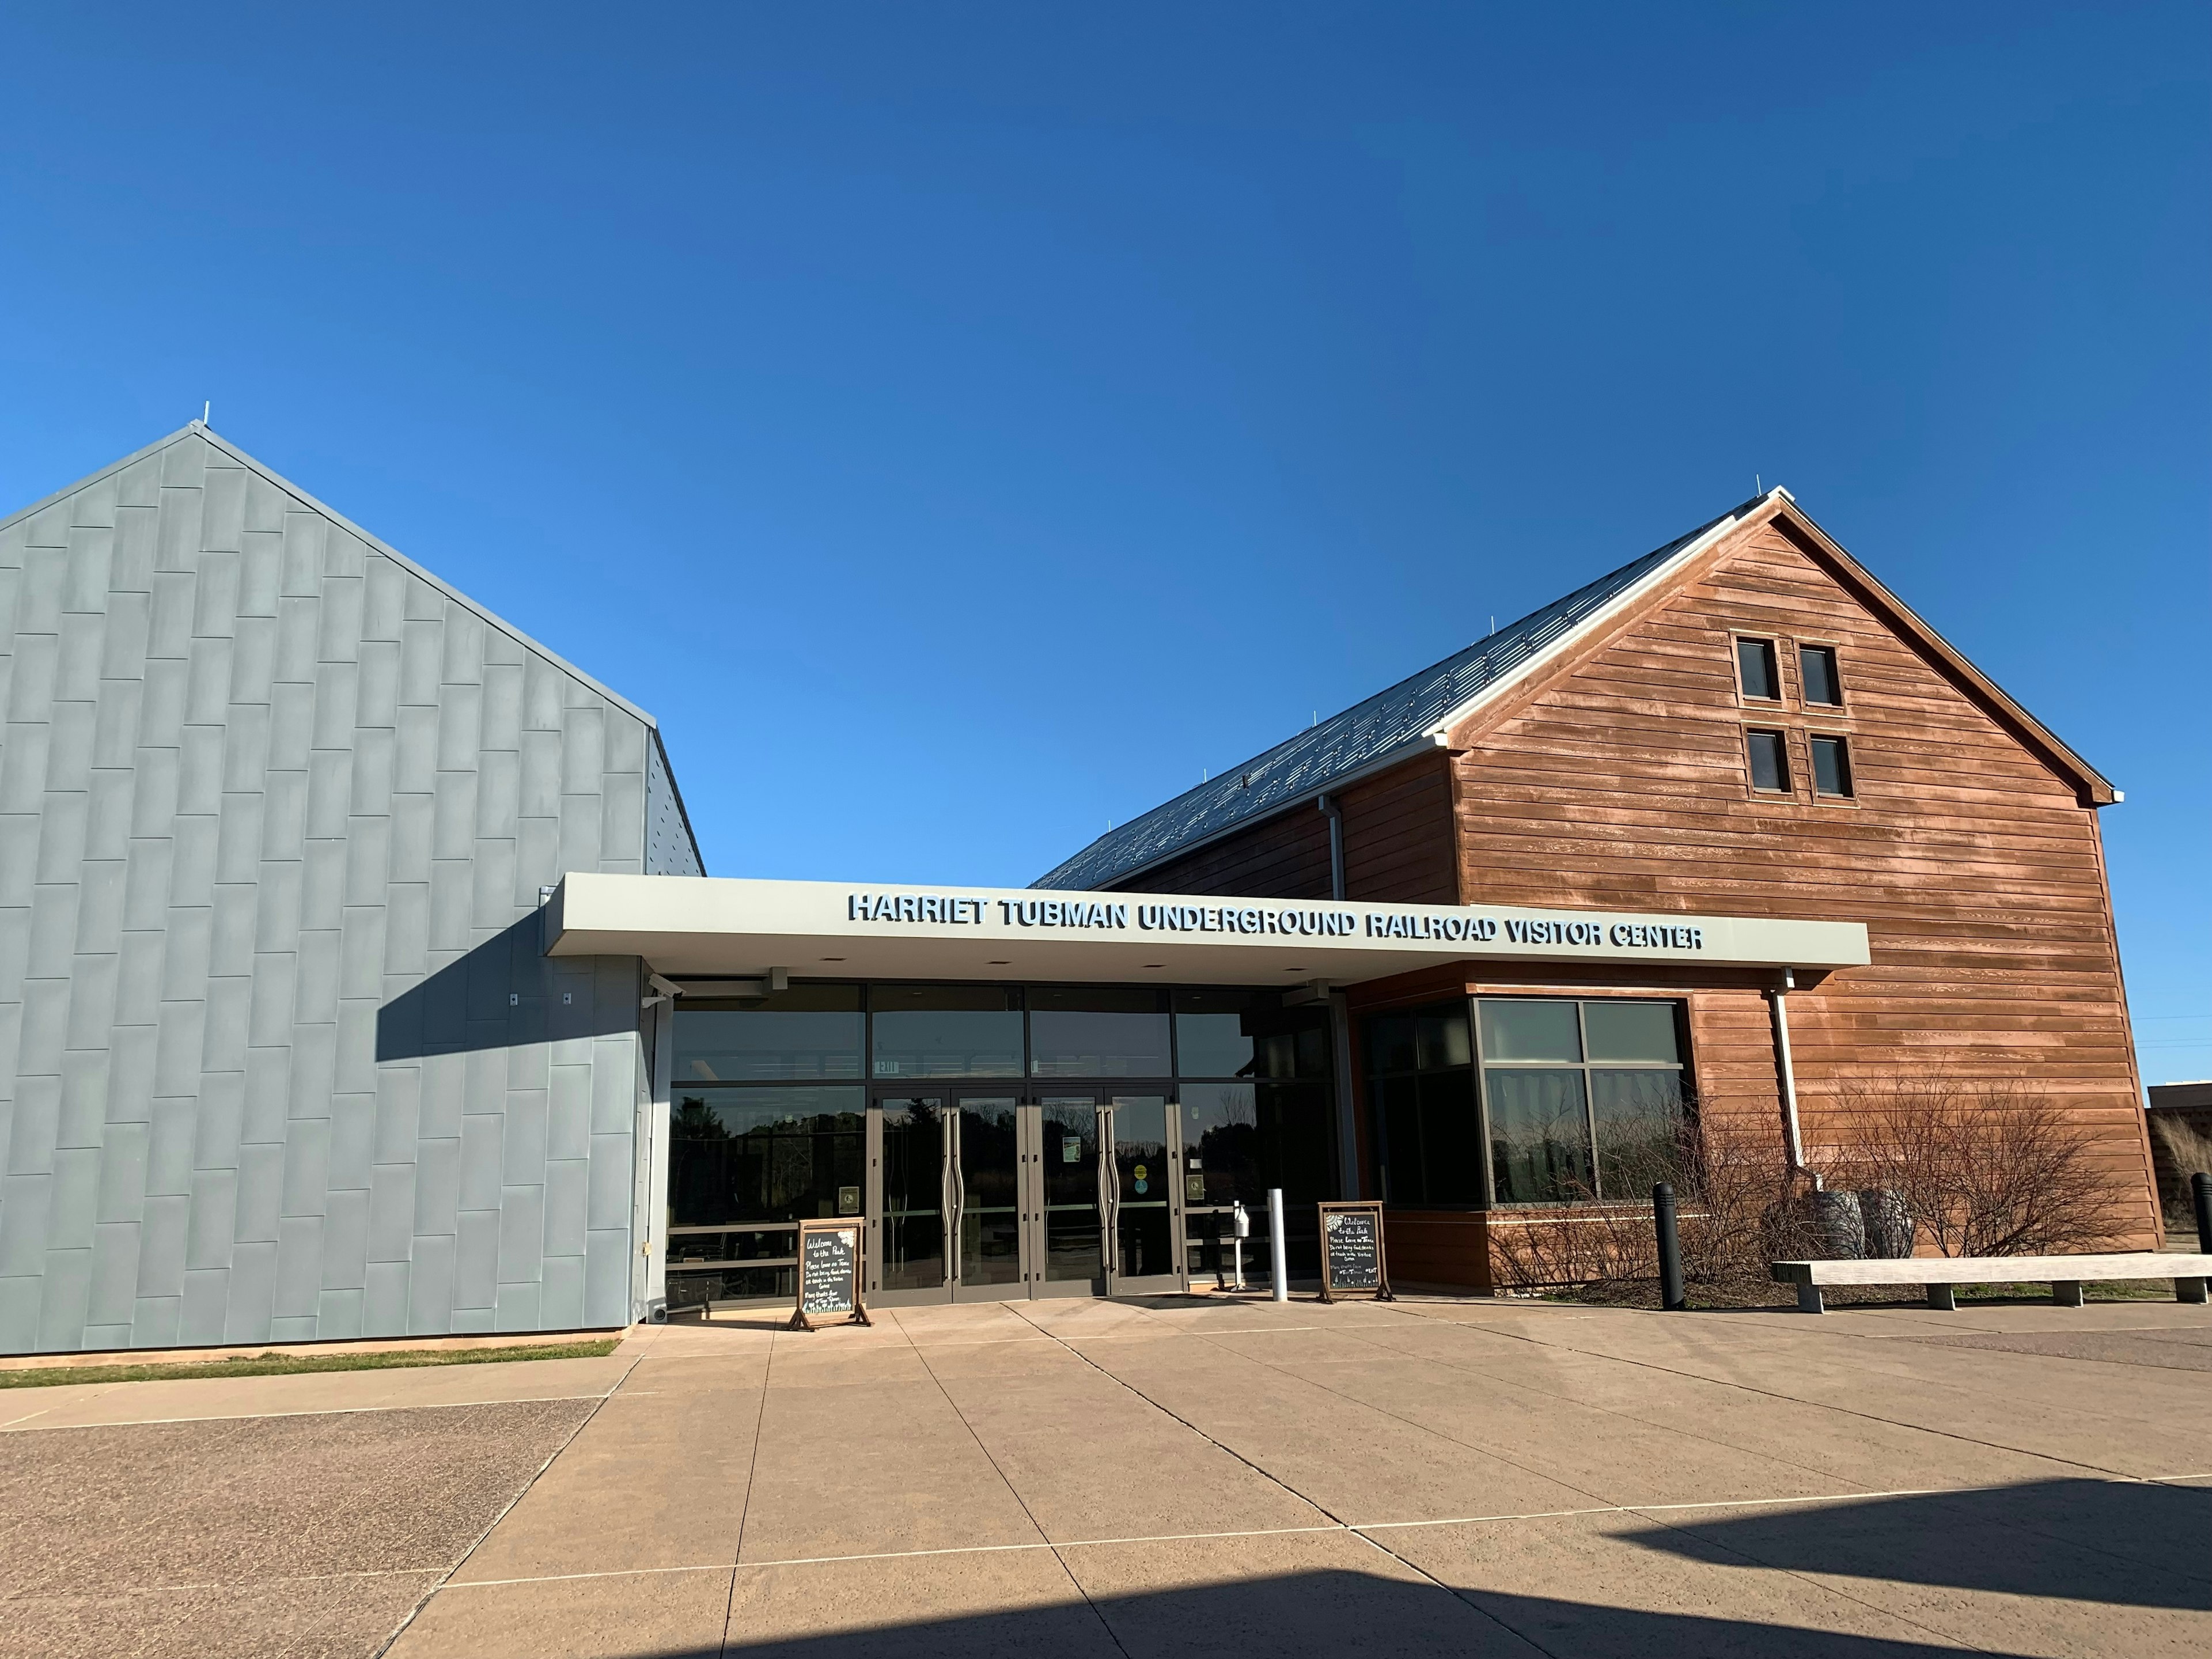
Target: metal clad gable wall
x=280 y=1057
x=669 y=847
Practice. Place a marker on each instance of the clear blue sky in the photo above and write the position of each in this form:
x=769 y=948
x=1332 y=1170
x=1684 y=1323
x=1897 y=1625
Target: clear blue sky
x=963 y=425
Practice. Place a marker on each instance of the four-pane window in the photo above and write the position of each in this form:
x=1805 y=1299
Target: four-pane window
x=1767 y=752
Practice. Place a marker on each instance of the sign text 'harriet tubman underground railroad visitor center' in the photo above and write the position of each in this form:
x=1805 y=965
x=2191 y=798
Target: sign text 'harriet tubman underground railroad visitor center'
x=360 y=976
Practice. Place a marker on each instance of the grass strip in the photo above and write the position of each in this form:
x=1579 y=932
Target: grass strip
x=287 y=1364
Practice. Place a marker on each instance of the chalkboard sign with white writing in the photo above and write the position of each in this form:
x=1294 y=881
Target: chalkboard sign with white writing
x=1352 y=1259
x=829 y=1273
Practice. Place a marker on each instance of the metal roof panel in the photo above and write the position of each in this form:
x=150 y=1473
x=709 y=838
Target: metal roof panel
x=1392 y=725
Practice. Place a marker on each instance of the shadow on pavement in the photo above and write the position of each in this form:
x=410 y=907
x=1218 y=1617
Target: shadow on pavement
x=1331 y=1612
x=2122 y=1543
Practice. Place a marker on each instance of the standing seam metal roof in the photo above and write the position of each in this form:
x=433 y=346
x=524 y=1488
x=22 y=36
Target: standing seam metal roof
x=1362 y=738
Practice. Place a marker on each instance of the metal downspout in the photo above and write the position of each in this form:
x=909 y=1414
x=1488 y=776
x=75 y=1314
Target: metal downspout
x=1786 y=1074
x=1335 y=815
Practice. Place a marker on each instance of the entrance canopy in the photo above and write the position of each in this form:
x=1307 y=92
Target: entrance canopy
x=713 y=927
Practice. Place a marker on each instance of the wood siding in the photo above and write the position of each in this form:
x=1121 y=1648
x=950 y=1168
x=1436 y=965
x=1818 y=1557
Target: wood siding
x=1620 y=782
x=1397 y=836
x=1283 y=857
x=1397 y=846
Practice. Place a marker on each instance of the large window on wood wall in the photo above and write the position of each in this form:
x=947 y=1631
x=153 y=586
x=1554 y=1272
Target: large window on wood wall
x=1535 y=1100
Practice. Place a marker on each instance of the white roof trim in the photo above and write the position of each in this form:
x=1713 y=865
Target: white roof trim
x=1583 y=629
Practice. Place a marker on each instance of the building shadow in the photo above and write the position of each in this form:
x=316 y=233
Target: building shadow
x=1333 y=1613
x=504 y=994
x=2121 y=1543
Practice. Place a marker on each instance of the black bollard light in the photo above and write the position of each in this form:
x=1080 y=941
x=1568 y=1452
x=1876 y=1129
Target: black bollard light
x=1671 y=1296
x=2202 y=1184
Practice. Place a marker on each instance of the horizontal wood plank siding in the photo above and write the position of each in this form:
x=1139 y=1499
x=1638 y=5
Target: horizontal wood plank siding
x=1397 y=846
x=1397 y=836
x=1283 y=857
x=1622 y=784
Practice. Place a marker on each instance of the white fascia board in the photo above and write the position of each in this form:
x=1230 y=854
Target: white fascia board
x=693 y=926
x=1582 y=630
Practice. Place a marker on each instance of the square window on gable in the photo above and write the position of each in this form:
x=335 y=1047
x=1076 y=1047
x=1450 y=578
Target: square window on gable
x=1770 y=762
x=1832 y=767
x=1817 y=665
x=1754 y=665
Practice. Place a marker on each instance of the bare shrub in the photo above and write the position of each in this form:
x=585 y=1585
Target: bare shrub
x=1982 y=1168
x=1736 y=1210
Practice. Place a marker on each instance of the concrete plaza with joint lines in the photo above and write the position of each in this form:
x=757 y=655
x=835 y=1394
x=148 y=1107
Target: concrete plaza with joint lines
x=1183 y=1477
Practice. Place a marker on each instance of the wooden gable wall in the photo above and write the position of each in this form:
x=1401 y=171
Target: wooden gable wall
x=1621 y=782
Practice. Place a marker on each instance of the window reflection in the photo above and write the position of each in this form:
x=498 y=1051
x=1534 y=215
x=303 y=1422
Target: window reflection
x=1582 y=1099
x=946 y=1031
x=1098 y=1033
x=765 y=1155
x=1639 y=1129
x=1538 y=1135
x=1238 y=1034
x=807 y=1031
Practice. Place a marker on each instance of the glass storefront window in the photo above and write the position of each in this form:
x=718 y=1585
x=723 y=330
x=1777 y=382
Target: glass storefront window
x=1237 y=1034
x=1638 y=1117
x=1579 y=1099
x=806 y=1032
x=945 y=1030
x=1632 y=1031
x=1584 y=1099
x=1422 y=1086
x=1539 y=1134
x=1239 y=1139
x=765 y=1155
x=1530 y=1031
x=1098 y=1033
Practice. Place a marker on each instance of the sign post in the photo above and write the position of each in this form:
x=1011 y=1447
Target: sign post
x=1351 y=1259
x=828 y=1273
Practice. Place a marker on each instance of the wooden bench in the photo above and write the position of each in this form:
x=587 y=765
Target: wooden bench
x=2065 y=1274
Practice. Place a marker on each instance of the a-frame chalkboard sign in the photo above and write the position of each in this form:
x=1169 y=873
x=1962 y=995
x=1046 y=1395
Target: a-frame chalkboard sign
x=829 y=1273
x=1352 y=1262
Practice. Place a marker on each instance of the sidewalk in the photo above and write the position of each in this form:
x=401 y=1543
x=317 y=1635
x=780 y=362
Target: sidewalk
x=1199 y=1476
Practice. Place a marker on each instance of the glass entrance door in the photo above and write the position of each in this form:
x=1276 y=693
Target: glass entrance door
x=1145 y=1195
x=1067 y=1197
x=992 y=1260
x=981 y=1198
x=909 y=1199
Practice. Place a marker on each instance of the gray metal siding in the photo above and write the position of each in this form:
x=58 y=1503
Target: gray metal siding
x=282 y=1058
x=670 y=850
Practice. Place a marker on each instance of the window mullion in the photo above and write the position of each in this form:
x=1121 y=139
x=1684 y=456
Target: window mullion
x=1589 y=1098
x=1482 y=1102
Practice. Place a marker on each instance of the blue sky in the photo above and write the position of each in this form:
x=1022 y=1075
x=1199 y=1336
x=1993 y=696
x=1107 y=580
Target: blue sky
x=963 y=425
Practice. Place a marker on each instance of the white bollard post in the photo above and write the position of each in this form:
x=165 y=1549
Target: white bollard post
x=1276 y=1262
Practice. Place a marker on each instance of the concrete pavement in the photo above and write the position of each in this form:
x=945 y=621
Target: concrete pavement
x=1186 y=1476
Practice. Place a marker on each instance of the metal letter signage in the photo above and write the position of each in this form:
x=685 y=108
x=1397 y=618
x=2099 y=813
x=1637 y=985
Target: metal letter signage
x=1114 y=916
